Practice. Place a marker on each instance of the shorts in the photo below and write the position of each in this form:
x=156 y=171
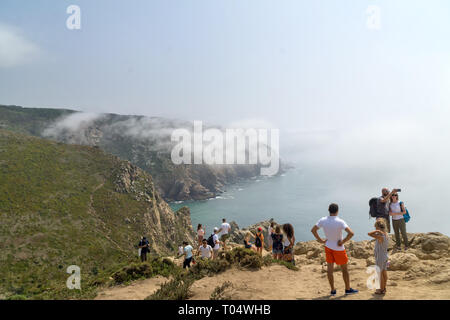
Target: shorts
x=277 y=251
x=224 y=237
x=338 y=257
x=187 y=263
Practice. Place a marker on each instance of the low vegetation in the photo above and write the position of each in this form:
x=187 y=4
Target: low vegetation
x=179 y=287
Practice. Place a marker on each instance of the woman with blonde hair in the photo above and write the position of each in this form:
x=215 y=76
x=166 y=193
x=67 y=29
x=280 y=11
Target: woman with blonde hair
x=381 y=252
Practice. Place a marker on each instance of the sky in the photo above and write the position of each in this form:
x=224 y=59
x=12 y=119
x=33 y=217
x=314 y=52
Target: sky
x=313 y=69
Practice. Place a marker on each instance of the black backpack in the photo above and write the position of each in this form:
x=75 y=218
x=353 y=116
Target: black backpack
x=258 y=242
x=373 y=205
x=211 y=241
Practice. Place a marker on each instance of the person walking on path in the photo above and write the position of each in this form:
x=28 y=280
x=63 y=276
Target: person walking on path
x=334 y=246
x=205 y=250
x=396 y=211
x=187 y=248
x=381 y=253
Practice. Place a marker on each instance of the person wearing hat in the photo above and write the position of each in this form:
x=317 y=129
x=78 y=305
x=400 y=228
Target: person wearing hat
x=216 y=243
x=259 y=241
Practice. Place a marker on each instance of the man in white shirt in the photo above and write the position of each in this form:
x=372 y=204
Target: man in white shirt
x=205 y=250
x=224 y=230
x=334 y=245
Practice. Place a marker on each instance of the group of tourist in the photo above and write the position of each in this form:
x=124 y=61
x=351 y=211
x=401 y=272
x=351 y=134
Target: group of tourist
x=387 y=205
x=281 y=240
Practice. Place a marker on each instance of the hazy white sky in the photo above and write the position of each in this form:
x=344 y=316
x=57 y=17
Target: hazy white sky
x=310 y=68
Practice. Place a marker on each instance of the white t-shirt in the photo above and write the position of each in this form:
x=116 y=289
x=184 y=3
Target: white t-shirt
x=216 y=238
x=205 y=252
x=395 y=207
x=225 y=228
x=332 y=227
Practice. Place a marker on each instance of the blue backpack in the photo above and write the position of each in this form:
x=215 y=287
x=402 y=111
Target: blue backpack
x=406 y=215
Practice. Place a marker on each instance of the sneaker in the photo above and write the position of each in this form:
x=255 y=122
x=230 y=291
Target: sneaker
x=333 y=292
x=351 y=291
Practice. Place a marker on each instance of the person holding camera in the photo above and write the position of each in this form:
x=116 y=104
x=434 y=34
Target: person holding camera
x=383 y=206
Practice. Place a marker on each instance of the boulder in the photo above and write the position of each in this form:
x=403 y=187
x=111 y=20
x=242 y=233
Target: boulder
x=402 y=261
x=360 y=250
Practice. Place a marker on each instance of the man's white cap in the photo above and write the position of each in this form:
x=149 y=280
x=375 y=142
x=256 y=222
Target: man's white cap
x=216 y=229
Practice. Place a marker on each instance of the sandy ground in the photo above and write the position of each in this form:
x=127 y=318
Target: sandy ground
x=138 y=290
x=277 y=282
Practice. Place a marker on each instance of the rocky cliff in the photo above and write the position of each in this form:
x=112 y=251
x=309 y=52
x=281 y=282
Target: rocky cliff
x=143 y=141
x=64 y=205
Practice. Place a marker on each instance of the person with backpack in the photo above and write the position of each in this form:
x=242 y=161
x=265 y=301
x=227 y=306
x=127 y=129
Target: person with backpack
x=259 y=241
x=334 y=246
x=214 y=242
x=382 y=206
x=144 y=246
x=396 y=211
x=277 y=243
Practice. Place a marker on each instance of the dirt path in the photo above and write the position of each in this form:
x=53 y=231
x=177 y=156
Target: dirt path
x=277 y=282
x=138 y=290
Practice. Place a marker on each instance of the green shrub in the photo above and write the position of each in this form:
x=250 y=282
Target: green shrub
x=220 y=292
x=175 y=289
x=142 y=270
x=206 y=267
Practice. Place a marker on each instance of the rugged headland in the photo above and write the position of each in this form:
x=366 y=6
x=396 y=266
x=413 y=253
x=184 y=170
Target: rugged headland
x=144 y=141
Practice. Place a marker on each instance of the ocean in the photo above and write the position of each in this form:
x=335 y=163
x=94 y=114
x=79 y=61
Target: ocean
x=301 y=197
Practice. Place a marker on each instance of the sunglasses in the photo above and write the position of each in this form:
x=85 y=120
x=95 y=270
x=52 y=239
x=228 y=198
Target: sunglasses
x=395 y=195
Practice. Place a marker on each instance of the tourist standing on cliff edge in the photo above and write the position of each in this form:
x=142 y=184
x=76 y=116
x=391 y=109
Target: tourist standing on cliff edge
x=334 y=246
x=224 y=231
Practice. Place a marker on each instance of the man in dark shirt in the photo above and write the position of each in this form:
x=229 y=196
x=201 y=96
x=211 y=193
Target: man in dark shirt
x=144 y=246
x=383 y=206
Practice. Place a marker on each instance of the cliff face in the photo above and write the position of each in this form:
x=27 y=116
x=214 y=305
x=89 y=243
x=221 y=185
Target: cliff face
x=143 y=141
x=64 y=205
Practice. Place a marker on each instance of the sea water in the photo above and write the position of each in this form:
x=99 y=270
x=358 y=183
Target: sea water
x=302 y=196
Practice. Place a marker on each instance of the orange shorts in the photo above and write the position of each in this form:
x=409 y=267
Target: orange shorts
x=338 y=257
